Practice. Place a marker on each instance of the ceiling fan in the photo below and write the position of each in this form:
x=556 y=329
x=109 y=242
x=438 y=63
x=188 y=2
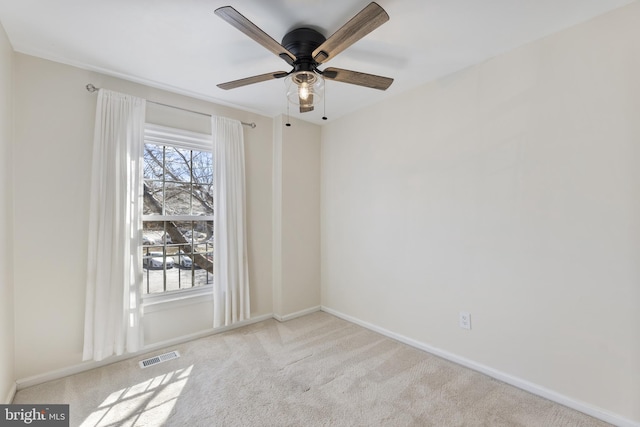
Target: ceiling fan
x=305 y=49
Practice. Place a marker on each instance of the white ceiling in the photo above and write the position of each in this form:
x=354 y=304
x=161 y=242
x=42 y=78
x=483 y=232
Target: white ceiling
x=180 y=45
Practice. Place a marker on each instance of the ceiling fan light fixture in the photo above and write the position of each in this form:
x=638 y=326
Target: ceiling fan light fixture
x=304 y=48
x=304 y=88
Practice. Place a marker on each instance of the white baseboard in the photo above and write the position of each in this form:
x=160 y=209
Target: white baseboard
x=538 y=390
x=11 y=394
x=86 y=366
x=300 y=313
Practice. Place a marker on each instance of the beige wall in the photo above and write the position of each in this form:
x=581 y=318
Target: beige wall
x=7 y=335
x=509 y=190
x=53 y=139
x=296 y=217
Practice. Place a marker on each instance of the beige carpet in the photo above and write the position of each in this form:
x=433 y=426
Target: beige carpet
x=316 y=370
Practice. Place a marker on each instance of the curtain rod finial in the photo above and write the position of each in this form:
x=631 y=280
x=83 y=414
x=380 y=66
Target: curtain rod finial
x=91 y=88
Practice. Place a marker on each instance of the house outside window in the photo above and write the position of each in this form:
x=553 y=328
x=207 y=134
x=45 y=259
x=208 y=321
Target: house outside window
x=177 y=220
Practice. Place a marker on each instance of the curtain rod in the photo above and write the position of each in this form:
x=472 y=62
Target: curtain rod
x=91 y=88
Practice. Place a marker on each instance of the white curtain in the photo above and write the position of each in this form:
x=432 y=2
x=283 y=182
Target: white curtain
x=230 y=266
x=114 y=270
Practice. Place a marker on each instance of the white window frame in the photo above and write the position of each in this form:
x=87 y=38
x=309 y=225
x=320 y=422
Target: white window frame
x=179 y=138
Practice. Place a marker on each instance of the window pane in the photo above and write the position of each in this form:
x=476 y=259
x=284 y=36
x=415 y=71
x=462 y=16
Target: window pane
x=202 y=199
x=177 y=199
x=153 y=161
x=202 y=231
x=152 y=232
x=155 y=264
x=202 y=167
x=177 y=165
x=154 y=198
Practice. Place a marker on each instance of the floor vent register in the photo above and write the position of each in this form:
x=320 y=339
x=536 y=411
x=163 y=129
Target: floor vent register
x=159 y=359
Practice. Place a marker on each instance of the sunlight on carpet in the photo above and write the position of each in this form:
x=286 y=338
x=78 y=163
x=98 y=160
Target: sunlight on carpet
x=147 y=403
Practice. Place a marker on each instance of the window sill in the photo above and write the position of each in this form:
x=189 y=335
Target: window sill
x=174 y=299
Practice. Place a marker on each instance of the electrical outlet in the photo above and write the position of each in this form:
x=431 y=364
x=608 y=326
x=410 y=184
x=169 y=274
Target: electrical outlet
x=465 y=320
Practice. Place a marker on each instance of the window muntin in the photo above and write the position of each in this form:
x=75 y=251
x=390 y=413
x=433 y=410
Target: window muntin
x=177 y=247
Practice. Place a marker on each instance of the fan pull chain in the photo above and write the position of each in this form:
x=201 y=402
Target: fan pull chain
x=324 y=101
x=288 y=124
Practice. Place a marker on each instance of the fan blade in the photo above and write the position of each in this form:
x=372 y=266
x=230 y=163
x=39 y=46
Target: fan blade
x=357 y=78
x=251 y=80
x=367 y=20
x=236 y=19
x=306 y=105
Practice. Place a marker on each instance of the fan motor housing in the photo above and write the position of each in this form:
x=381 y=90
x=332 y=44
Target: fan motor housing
x=302 y=42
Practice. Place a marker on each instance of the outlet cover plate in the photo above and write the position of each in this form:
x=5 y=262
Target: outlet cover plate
x=465 y=320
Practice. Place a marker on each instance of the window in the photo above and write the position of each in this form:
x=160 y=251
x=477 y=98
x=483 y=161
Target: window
x=177 y=220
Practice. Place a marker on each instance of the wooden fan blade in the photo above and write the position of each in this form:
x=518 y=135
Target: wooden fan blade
x=357 y=78
x=367 y=20
x=251 y=80
x=306 y=105
x=236 y=19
